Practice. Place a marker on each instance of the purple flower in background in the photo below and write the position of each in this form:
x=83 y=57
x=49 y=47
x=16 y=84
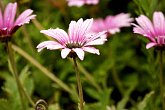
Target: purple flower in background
x=78 y=39
x=82 y=2
x=155 y=31
x=112 y=24
x=8 y=24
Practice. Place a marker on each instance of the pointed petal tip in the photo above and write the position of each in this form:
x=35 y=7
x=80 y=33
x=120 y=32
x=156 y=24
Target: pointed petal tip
x=39 y=49
x=80 y=53
x=151 y=44
x=98 y=53
x=65 y=52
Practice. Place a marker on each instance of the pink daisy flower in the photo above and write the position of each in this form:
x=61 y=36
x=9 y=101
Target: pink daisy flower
x=112 y=24
x=7 y=24
x=155 y=31
x=78 y=39
x=82 y=2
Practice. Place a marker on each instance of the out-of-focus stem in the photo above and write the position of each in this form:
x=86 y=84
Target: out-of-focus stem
x=37 y=24
x=28 y=39
x=117 y=80
x=161 y=77
x=79 y=84
x=41 y=68
x=15 y=74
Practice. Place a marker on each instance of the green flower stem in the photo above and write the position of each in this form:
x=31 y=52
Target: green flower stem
x=88 y=76
x=79 y=85
x=15 y=74
x=161 y=77
x=41 y=68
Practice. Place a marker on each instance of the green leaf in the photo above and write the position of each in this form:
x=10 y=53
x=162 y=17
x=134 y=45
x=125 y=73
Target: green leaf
x=26 y=80
x=10 y=87
x=143 y=104
x=104 y=98
x=5 y=105
x=92 y=92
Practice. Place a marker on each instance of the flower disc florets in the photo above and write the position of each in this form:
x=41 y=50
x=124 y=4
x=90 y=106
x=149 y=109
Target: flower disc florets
x=73 y=45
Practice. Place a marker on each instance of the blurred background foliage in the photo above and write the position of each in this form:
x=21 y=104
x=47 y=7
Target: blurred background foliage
x=123 y=77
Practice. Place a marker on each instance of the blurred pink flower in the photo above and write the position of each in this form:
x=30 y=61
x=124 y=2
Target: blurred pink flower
x=112 y=24
x=78 y=39
x=155 y=31
x=82 y=2
x=7 y=24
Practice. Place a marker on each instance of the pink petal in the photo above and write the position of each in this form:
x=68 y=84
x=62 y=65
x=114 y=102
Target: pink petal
x=65 y=52
x=85 y=28
x=24 y=17
x=116 y=22
x=74 y=30
x=51 y=45
x=98 y=25
x=76 y=2
x=81 y=2
x=80 y=53
x=151 y=44
x=92 y=2
x=137 y=29
x=9 y=15
x=71 y=30
x=77 y=30
x=94 y=39
x=96 y=42
x=161 y=39
x=159 y=23
x=58 y=34
x=123 y=20
x=146 y=25
x=1 y=19
x=91 y=50
x=114 y=30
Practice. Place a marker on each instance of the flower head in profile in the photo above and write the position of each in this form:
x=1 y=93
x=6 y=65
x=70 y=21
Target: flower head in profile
x=82 y=2
x=8 y=24
x=154 y=31
x=78 y=39
x=112 y=24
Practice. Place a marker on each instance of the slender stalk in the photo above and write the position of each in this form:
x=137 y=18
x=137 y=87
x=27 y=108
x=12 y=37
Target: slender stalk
x=89 y=77
x=42 y=68
x=28 y=39
x=79 y=85
x=21 y=89
x=28 y=97
x=15 y=74
x=161 y=77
